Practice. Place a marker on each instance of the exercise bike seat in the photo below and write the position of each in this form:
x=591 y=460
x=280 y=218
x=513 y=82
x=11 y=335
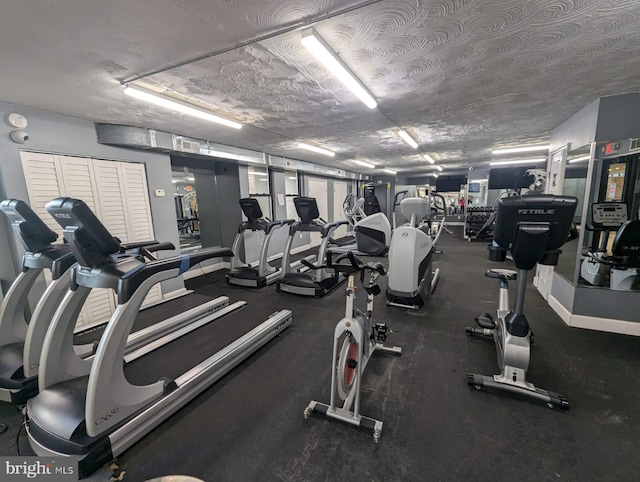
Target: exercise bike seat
x=501 y=274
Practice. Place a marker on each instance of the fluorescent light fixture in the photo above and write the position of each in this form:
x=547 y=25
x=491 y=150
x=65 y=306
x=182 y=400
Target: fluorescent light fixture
x=174 y=181
x=176 y=105
x=319 y=48
x=259 y=173
x=439 y=168
x=365 y=164
x=434 y=174
x=407 y=138
x=520 y=161
x=390 y=171
x=429 y=158
x=293 y=177
x=514 y=150
x=580 y=159
x=319 y=150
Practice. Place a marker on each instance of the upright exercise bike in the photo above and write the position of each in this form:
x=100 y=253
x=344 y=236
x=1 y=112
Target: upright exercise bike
x=532 y=227
x=355 y=339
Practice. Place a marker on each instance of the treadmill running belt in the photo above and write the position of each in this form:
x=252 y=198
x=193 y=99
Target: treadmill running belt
x=175 y=358
x=148 y=316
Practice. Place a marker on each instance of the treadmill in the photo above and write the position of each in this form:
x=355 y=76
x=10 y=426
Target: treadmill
x=18 y=383
x=92 y=410
x=21 y=341
x=241 y=274
x=316 y=282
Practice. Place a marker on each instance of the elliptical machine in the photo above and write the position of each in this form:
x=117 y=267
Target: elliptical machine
x=411 y=278
x=372 y=232
x=355 y=340
x=532 y=227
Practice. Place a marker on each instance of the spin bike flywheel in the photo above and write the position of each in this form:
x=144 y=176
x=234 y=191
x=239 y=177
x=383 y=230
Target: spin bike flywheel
x=347 y=369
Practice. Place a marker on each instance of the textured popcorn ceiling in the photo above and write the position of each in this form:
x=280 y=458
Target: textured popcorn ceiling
x=461 y=76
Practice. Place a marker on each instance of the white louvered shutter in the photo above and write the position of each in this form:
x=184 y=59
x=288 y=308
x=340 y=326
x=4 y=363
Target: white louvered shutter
x=79 y=182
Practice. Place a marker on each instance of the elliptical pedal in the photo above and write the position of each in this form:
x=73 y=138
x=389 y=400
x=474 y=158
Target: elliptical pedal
x=485 y=320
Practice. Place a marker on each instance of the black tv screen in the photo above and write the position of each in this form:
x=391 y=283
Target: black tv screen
x=450 y=184
x=510 y=178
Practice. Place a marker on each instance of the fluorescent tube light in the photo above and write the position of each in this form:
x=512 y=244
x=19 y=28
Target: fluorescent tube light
x=293 y=177
x=513 y=150
x=319 y=48
x=178 y=106
x=521 y=161
x=439 y=168
x=434 y=174
x=429 y=158
x=390 y=171
x=365 y=164
x=319 y=150
x=407 y=138
x=580 y=159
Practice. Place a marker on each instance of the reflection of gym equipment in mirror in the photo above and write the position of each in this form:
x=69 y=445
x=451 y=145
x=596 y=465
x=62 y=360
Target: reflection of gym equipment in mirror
x=619 y=270
x=532 y=228
x=355 y=340
x=611 y=246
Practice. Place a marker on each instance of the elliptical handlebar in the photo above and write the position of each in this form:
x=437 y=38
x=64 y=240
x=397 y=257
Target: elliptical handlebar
x=355 y=264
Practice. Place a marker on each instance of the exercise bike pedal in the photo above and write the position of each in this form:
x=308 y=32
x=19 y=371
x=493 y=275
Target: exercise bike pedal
x=485 y=320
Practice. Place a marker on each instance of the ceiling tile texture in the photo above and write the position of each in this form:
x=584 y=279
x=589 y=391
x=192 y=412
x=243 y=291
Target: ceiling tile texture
x=461 y=76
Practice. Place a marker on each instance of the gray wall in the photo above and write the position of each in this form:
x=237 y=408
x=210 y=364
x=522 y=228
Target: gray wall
x=618 y=117
x=578 y=130
x=58 y=134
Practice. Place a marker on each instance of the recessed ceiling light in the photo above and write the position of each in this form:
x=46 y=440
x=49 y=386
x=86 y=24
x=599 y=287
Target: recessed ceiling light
x=390 y=171
x=519 y=161
x=176 y=105
x=439 y=168
x=327 y=57
x=319 y=150
x=513 y=150
x=434 y=174
x=429 y=158
x=579 y=159
x=407 y=138
x=365 y=164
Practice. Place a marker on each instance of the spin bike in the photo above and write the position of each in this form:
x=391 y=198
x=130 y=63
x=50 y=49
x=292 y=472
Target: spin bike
x=360 y=338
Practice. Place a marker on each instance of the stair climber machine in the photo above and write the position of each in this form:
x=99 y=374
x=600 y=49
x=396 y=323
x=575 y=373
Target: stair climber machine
x=264 y=274
x=411 y=278
x=620 y=270
x=355 y=340
x=21 y=342
x=95 y=409
x=316 y=282
x=372 y=232
x=532 y=228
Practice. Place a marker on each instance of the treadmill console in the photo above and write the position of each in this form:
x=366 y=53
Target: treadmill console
x=34 y=233
x=608 y=215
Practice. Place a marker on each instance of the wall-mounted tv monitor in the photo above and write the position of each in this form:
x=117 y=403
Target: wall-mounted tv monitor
x=510 y=178
x=450 y=184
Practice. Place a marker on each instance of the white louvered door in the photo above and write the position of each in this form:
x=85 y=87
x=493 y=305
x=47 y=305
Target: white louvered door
x=117 y=201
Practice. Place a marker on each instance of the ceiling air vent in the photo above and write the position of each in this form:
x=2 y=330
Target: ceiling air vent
x=635 y=145
x=186 y=145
